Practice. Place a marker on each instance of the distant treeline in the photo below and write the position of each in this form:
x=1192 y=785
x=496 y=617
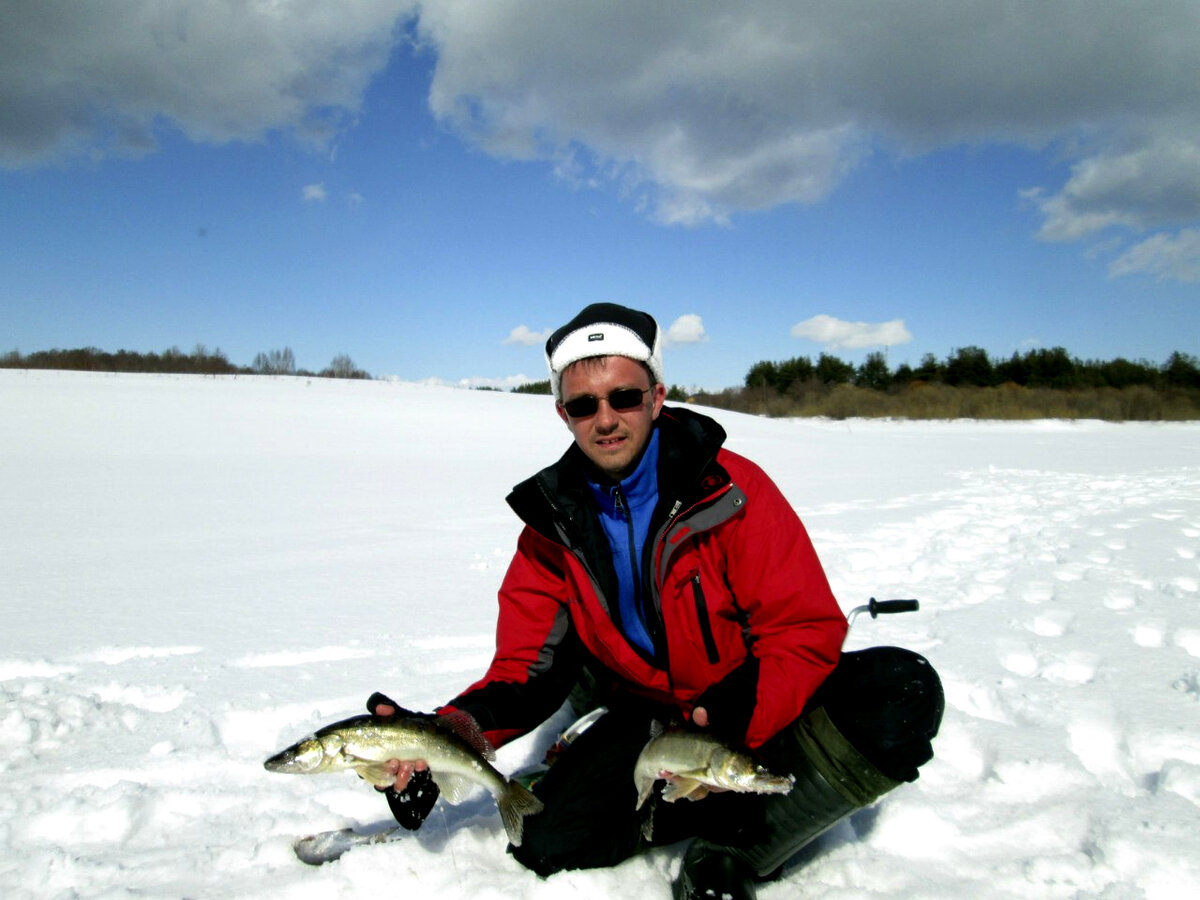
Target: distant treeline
x=200 y=361
x=972 y=367
x=969 y=384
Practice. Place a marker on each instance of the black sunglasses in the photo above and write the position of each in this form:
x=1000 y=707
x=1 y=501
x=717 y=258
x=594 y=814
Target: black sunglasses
x=622 y=400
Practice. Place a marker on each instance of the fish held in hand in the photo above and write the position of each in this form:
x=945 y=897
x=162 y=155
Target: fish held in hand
x=695 y=762
x=457 y=753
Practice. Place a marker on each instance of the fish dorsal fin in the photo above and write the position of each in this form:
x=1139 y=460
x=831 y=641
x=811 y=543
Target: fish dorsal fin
x=463 y=725
x=656 y=728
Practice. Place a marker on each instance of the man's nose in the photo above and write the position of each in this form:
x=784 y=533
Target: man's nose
x=606 y=416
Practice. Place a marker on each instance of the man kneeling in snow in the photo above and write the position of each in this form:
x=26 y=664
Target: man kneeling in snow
x=670 y=576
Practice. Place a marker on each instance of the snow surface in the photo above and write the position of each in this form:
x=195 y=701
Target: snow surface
x=195 y=572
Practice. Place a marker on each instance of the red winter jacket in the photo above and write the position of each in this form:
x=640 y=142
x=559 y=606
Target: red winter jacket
x=743 y=620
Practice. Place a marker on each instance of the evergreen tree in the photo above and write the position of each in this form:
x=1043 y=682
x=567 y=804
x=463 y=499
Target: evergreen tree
x=873 y=373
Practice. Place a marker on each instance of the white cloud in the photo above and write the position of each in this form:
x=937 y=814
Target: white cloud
x=687 y=329
x=523 y=336
x=315 y=193
x=696 y=111
x=1169 y=258
x=837 y=334
x=691 y=111
x=97 y=78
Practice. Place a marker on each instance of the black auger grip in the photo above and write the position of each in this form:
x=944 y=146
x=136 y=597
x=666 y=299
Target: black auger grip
x=886 y=607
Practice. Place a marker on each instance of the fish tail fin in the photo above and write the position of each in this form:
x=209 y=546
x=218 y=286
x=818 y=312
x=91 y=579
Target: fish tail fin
x=515 y=803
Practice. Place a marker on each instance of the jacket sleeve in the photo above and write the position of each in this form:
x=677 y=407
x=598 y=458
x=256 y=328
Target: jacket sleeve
x=795 y=625
x=537 y=658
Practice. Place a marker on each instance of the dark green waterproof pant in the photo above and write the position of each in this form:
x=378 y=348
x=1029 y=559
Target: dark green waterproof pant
x=886 y=703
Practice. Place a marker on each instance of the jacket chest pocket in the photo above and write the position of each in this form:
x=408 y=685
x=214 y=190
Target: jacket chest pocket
x=704 y=619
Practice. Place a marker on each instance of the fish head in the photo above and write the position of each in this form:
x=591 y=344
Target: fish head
x=734 y=771
x=302 y=758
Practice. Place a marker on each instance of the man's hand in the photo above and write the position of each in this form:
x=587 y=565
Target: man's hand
x=403 y=769
x=700 y=720
x=414 y=792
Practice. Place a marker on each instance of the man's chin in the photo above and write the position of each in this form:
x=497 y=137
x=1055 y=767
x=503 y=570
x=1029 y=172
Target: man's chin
x=616 y=464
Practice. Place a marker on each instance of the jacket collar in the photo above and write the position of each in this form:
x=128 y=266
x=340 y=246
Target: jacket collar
x=556 y=499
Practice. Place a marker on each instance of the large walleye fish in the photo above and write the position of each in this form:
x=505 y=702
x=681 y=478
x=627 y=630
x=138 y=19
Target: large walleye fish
x=457 y=752
x=696 y=762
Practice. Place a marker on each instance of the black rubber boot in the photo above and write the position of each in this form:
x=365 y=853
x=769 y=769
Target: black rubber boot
x=710 y=872
x=832 y=780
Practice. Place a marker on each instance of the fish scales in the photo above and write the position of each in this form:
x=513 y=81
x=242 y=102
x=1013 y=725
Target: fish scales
x=457 y=755
x=695 y=762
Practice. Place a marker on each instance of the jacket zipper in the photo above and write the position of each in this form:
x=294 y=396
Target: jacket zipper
x=710 y=644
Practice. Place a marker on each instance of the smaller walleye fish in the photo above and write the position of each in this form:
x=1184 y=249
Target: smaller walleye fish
x=457 y=752
x=697 y=762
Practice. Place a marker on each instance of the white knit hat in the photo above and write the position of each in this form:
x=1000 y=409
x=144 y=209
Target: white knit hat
x=604 y=329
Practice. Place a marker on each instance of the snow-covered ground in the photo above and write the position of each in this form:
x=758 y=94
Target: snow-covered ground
x=194 y=572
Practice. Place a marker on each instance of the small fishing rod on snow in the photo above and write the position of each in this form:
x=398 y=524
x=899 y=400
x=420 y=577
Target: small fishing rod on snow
x=882 y=607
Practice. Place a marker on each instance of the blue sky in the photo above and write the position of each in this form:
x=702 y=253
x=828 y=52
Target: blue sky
x=422 y=187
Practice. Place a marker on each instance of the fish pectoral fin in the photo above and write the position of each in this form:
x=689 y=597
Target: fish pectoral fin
x=376 y=773
x=369 y=770
x=681 y=788
x=697 y=774
x=454 y=788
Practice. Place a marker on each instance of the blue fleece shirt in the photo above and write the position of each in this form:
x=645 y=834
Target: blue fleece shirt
x=625 y=513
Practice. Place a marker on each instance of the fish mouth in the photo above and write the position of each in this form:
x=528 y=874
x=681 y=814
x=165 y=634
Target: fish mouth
x=282 y=762
x=301 y=758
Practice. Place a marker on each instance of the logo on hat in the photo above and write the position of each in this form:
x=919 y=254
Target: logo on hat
x=596 y=336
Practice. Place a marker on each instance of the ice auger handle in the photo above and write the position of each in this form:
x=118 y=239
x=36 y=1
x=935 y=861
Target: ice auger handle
x=883 y=607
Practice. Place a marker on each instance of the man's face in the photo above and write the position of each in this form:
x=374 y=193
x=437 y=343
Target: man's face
x=612 y=439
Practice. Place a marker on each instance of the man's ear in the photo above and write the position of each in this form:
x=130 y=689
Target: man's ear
x=562 y=414
x=658 y=396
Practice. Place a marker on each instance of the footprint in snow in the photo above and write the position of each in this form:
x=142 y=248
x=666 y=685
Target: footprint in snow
x=1019 y=659
x=1150 y=633
x=1189 y=640
x=1099 y=745
x=1038 y=592
x=1073 y=668
x=1052 y=623
x=1120 y=599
